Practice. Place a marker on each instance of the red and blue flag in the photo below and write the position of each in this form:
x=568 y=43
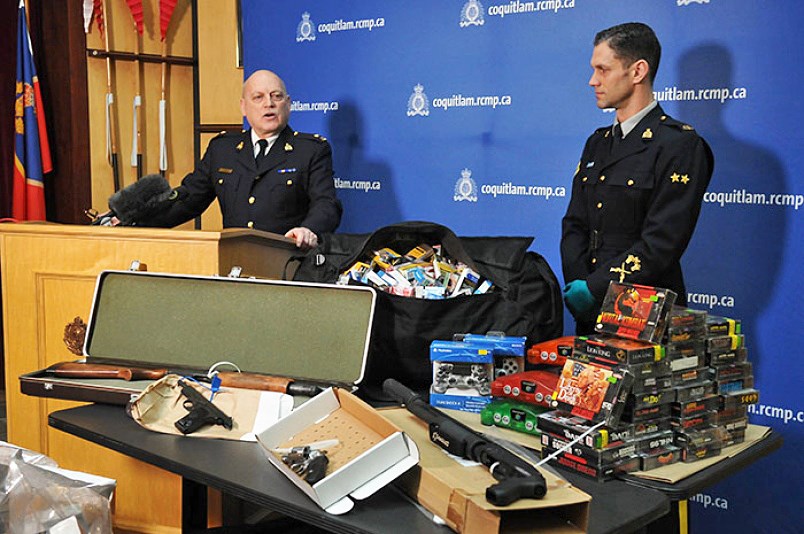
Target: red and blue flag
x=31 y=147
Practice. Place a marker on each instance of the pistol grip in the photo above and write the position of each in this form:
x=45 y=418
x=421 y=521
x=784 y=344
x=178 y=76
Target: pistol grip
x=189 y=423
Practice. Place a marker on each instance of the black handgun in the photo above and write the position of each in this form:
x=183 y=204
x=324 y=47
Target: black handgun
x=202 y=411
x=517 y=478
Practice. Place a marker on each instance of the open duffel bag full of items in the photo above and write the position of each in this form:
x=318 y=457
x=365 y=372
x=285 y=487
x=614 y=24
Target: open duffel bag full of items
x=524 y=297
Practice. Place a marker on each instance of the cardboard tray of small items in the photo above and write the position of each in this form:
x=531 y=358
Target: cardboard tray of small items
x=317 y=333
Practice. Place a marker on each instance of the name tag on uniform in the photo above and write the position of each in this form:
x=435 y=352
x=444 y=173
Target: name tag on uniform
x=283 y=171
x=224 y=170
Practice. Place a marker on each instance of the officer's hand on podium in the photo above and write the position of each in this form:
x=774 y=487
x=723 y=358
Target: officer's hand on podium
x=304 y=237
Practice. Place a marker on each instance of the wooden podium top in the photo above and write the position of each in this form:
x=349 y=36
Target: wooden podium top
x=257 y=253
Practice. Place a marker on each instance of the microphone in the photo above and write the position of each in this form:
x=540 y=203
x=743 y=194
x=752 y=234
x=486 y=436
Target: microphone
x=136 y=203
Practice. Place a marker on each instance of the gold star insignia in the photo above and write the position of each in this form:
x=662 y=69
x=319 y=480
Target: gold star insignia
x=647 y=134
x=674 y=177
x=239 y=146
x=685 y=178
x=288 y=147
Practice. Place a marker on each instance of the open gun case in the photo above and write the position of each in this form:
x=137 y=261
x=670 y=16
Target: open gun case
x=185 y=323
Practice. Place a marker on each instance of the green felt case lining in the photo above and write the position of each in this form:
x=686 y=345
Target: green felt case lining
x=305 y=331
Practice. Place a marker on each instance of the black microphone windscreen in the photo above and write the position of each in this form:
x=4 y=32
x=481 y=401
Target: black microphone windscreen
x=134 y=203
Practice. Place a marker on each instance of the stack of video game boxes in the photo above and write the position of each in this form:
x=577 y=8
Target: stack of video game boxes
x=688 y=384
x=733 y=374
x=423 y=272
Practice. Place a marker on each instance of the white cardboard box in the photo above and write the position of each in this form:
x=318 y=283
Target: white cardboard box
x=371 y=451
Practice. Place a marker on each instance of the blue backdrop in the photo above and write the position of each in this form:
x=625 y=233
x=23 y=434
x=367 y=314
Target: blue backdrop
x=473 y=114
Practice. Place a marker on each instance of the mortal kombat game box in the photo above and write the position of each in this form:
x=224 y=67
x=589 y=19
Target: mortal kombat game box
x=635 y=312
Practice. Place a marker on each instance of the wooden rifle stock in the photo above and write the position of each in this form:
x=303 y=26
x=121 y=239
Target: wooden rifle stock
x=254 y=381
x=98 y=370
x=268 y=383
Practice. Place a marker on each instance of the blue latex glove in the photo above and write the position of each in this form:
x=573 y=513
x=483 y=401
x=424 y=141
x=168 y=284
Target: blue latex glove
x=578 y=298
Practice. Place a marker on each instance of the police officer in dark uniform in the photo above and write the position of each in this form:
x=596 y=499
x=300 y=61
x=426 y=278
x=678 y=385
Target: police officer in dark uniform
x=269 y=178
x=637 y=192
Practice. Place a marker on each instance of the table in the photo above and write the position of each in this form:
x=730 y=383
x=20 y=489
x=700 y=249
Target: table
x=240 y=469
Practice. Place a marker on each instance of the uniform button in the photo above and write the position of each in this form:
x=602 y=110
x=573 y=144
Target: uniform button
x=663 y=118
x=251 y=200
x=220 y=181
x=599 y=205
x=289 y=182
x=257 y=177
x=583 y=179
x=250 y=224
x=630 y=182
x=594 y=260
x=603 y=178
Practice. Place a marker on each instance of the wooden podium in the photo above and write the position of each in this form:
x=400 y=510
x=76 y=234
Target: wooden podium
x=48 y=278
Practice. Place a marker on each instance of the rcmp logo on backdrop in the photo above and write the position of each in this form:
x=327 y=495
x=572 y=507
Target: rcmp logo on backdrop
x=305 y=31
x=465 y=187
x=418 y=103
x=472 y=14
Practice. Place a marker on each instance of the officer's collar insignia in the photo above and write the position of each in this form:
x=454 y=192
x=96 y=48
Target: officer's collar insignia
x=686 y=127
x=631 y=265
x=239 y=146
x=675 y=177
x=288 y=147
x=606 y=134
x=685 y=178
x=590 y=164
x=647 y=134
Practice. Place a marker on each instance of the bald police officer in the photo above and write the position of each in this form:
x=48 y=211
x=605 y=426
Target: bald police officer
x=270 y=177
x=637 y=192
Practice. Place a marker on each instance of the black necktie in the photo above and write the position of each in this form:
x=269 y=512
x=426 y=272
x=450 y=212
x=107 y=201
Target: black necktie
x=263 y=144
x=616 y=137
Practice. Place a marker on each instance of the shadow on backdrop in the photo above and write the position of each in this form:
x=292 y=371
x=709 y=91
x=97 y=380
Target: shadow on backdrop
x=365 y=208
x=737 y=249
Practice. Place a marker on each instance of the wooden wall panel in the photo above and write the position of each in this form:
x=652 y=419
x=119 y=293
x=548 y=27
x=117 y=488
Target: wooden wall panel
x=178 y=94
x=220 y=79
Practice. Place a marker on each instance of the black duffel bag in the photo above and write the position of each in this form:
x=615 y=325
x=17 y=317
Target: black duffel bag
x=525 y=300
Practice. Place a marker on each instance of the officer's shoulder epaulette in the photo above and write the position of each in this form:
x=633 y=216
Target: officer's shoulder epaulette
x=667 y=120
x=227 y=134
x=310 y=137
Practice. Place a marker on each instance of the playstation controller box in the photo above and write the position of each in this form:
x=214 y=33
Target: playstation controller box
x=462 y=375
x=508 y=351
